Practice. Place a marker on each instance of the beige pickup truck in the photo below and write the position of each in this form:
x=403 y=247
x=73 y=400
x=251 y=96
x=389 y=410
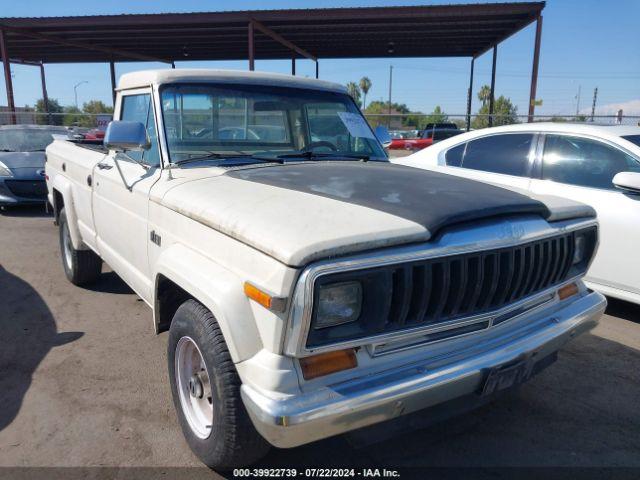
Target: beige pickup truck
x=310 y=287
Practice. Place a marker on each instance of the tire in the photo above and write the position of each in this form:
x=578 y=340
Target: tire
x=81 y=267
x=231 y=440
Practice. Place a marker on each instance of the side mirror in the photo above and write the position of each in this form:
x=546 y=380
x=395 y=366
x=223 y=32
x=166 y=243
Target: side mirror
x=628 y=181
x=122 y=135
x=382 y=134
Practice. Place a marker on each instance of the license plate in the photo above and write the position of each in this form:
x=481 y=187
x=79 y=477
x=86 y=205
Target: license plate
x=506 y=376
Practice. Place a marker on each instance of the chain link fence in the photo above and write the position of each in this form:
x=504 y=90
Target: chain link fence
x=412 y=121
x=405 y=124
x=69 y=119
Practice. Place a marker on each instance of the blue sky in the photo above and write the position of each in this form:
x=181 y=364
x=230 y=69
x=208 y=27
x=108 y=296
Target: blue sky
x=585 y=43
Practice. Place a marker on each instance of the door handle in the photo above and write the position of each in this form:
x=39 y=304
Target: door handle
x=104 y=166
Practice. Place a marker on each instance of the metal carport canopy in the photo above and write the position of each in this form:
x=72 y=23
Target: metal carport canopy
x=414 y=31
x=368 y=32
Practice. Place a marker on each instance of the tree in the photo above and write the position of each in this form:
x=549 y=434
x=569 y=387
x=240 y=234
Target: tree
x=96 y=107
x=354 y=91
x=504 y=113
x=85 y=117
x=419 y=120
x=484 y=94
x=54 y=107
x=365 y=86
x=74 y=118
x=437 y=116
x=378 y=107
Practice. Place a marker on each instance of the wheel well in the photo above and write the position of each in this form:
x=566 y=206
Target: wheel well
x=58 y=204
x=169 y=296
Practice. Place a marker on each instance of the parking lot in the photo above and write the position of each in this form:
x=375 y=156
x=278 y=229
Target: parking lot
x=83 y=382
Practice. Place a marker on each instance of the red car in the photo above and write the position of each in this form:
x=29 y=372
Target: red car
x=94 y=134
x=430 y=135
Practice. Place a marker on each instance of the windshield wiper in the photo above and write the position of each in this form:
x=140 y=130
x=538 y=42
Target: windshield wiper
x=217 y=155
x=309 y=155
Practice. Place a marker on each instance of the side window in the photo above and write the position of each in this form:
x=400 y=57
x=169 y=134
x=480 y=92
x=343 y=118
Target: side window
x=138 y=108
x=507 y=154
x=584 y=162
x=453 y=156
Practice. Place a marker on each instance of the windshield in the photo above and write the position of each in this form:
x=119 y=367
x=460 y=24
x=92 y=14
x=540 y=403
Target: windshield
x=633 y=139
x=25 y=139
x=216 y=121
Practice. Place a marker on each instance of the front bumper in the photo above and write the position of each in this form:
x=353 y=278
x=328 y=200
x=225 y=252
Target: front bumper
x=31 y=191
x=300 y=419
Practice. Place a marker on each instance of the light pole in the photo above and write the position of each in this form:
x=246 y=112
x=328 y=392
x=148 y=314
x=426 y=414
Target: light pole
x=75 y=90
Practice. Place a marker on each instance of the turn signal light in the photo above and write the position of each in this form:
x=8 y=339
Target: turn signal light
x=254 y=293
x=326 y=363
x=276 y=304
x=567 y=291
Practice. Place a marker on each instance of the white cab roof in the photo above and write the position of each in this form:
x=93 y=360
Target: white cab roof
x=146 y=78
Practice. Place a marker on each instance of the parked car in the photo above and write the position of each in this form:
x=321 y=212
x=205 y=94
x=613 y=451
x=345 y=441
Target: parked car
x=597 y=165
x=94 y=134
x=22 y=163
x=433 y=133
x=401 y=134
x=311 y=288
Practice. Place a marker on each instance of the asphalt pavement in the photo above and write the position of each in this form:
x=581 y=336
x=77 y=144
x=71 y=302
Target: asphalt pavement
x=83 y=383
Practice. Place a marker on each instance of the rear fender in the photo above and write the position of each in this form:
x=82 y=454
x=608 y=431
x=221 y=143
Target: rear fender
x=64 y=187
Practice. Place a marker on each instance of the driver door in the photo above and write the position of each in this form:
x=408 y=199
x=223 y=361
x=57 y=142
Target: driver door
x=121 y=198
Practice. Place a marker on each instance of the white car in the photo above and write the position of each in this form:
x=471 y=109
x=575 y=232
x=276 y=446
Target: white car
x=597 y=165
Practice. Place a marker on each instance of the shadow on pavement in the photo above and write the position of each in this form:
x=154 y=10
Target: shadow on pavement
x=625 y=310
x=109 y=282
x=24 y=211
x=27 y=332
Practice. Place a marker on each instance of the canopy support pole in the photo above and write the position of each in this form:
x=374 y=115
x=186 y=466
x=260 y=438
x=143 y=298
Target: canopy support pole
x=252 y=63
x=534 y=71
x=7 y=77
x=470 y=95
x=112 y=71
x=45 y=95
x=492 y=96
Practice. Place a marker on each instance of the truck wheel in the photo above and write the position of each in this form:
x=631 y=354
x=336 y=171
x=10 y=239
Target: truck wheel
x=206 y=392
x=80 y=266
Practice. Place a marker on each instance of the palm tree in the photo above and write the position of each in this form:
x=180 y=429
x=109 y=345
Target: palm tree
x=484 y=94
x=354 y=91
x=365 y=85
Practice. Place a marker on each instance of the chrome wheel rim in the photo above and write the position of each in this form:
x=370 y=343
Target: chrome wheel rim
x=66 y=247
x=194 y=387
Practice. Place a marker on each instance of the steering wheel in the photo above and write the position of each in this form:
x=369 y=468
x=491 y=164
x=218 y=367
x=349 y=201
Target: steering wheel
x=321 y=143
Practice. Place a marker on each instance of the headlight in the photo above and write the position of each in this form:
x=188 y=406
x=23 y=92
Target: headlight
x=579 y=249
x=349 y=305
x=4 y=171
x=338 y=303
x=584 y=248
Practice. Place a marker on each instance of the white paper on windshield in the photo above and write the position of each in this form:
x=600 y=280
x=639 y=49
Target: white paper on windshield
x=356 y=124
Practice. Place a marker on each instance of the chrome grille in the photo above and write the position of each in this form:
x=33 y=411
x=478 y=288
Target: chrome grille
x=441 y=289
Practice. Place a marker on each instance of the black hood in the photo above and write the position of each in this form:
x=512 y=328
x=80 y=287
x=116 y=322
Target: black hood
x=433 y=200
x=15 y=160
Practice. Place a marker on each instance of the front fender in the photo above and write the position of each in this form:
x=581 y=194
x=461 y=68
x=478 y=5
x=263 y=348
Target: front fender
x=218 y=289
x=64 y=187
